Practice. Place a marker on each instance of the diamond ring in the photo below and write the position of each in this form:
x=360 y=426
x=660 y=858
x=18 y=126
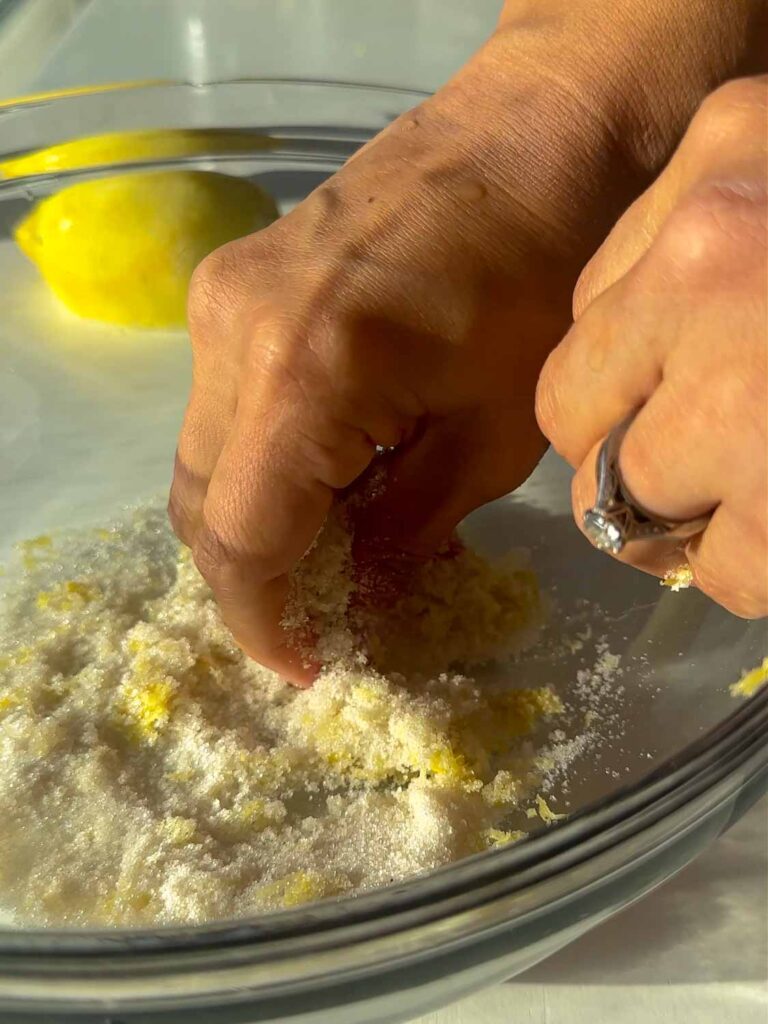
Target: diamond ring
x=616 y=518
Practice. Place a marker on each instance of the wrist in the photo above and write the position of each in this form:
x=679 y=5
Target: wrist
x=641 y=66
x=574 y=105
x=541 y=135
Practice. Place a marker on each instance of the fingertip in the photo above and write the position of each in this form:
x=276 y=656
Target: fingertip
x=302 y=671
x=302 y=676
x=293 y=666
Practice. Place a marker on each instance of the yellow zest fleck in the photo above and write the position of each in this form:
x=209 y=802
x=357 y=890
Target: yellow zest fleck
x=256 y=815
x=204 y=665
x=32 y=551
x=545 y=813
x=445 y=765
x=21 y=656
x=519 y=710
x=179 y=831
x=335 y=759
x=208 y=664
x=678 y=579
x=504 y=789
x=297 y=888
x=10 y=700
x=751 y=681
x=252 y=809
x=501 y=837
x=43 y=541
x=70 y=595
x=488 y=730
x=365 y=694
x=149 y=706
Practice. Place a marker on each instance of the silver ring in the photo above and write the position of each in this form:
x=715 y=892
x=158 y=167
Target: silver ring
x=616 y=518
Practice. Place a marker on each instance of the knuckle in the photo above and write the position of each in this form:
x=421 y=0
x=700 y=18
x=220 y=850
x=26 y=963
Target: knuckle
x=185 y=500
x=586 y=288
x=204 y=288
x=733 y=111
x=336 y=467
x=229 y=566
x=179 y=515
x=554 y=397
x=547 y=401
x=218 y=562
x=719 y=226
x=733 y=209
x=215 y=290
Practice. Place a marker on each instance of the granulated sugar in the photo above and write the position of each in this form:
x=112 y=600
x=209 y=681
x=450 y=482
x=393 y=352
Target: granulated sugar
x=150 y=773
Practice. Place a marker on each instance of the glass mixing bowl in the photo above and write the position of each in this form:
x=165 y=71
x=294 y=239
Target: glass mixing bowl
x=88 y=418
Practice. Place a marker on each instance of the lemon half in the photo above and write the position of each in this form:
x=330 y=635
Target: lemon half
x=122 y=249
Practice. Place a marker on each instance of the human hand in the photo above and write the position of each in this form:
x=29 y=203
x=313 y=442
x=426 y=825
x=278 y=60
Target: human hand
x=411 y=300
x=671 y=316
x=409 y=303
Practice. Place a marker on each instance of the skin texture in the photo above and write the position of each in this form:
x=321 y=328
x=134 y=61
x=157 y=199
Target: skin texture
x=671 y=317
x=411 y=301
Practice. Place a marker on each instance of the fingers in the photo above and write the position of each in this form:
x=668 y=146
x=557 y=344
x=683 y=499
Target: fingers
x=607 y=366
x=683 y=479
x=420 y=498
x=242 y=550
x=207 y=425
x=691 y=310
x=630 y=238
x=454 y=466
x=730 y=559
x=655 y=556
x=210 y=412
x=666 y=464
x=266 y=501
x=185 y=501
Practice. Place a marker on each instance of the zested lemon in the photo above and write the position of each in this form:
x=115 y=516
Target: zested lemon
x=123 y=248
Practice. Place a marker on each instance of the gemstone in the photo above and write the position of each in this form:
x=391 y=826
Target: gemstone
x=603 y=531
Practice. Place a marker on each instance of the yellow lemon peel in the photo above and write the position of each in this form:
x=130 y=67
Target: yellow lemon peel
x=122 y=249
x=70 y=595
x=751 y=681
x=502 y=837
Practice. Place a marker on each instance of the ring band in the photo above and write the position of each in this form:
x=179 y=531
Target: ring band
x=616 y=518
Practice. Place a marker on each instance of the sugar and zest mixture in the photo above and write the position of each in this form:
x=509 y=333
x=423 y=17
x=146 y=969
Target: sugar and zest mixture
x=150 y=773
